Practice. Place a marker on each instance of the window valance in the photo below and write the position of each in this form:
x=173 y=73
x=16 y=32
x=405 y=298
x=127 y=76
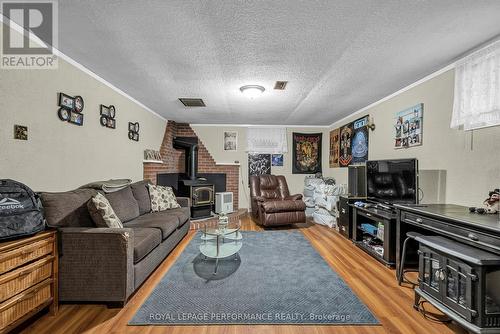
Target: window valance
x=266 y=140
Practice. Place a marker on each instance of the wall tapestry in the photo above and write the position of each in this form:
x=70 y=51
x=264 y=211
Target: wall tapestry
x=230 y=140
x=359 y=143
x=345 y=156
x=258 y=164
x=334 y=148
x=408 y=127
x=306 y=153
x=277 y=160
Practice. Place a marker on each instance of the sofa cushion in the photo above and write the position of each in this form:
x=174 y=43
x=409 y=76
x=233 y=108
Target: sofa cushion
x=144 y=241
x=141 y=195
x=283 y=206
x=124 y=204
x=162 y=220
x=182 y=213
x=68 y=209
x=102 y=212
x=162 y=198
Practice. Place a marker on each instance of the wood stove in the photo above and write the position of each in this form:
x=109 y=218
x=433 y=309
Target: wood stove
x=199 y=190
x=202 y=195
x=461 y=281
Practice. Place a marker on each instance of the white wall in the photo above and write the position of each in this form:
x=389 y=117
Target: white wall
x=212 y=137
x=456 y=167
x=59 y=155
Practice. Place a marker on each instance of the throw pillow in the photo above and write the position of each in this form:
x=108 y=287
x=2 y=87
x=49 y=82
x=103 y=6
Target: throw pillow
x=141 y=195
x=102 y=213
x=162 y=198
x=124 y=204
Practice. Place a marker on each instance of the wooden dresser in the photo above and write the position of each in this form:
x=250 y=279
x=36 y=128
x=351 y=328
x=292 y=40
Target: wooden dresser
x=28 y=278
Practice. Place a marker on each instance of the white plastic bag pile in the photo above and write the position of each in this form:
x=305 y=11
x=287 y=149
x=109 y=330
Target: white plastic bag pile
x=321 y=200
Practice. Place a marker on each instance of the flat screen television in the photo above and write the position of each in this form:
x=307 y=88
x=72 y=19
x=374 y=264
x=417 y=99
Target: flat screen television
x=392 y=181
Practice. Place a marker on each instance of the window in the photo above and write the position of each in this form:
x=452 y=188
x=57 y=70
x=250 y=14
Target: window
x=477 y=89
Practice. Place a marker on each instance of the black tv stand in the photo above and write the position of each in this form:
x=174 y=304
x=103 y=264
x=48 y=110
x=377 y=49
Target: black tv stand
x=382 y=243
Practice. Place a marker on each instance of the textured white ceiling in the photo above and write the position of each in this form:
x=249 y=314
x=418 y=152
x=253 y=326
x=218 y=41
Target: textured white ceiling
x=338 y=56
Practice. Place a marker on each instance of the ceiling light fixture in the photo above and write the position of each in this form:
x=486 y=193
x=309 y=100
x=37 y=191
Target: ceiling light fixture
x=252 y=90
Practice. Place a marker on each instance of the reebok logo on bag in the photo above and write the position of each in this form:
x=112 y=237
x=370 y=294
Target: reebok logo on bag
x=20 y=210
x=10 y=204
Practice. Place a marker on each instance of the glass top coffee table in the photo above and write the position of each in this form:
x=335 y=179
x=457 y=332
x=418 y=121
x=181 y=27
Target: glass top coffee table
x=221 y=241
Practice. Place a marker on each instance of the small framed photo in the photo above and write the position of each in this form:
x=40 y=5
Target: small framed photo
x=63 y=114
x=133 y=136
x=133 y=127
x=111 y=123
x=277 y=160
x=66 y=101
x=230 y=141
x=104 y=120
x=78 y=101
x=105 y=111
x=112 y=111
x=20 y=132
x=76 y=118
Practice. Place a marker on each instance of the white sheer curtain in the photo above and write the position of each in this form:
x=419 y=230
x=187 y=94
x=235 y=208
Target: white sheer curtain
x=477 y=89
x=266 y=140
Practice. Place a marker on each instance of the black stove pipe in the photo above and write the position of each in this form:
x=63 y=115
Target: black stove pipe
x=190 y=147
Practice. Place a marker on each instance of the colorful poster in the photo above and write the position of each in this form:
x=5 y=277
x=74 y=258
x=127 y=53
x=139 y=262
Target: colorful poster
x=258 y=164
x=334 y=148
x=408 y=127
x=346 y=133
x=306 y=153
x=359 y=145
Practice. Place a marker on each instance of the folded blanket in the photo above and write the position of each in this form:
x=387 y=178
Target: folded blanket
x=108 y=186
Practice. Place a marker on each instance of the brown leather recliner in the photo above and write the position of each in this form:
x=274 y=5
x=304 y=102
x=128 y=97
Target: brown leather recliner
x=271 y=202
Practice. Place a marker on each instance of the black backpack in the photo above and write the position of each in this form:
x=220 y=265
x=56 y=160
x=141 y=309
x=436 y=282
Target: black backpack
x=20 y=210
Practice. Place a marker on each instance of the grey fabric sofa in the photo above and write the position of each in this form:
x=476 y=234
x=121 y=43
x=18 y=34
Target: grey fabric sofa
x=109 y=264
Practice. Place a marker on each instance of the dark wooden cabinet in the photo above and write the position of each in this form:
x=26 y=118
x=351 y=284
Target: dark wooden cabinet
x=345 y=215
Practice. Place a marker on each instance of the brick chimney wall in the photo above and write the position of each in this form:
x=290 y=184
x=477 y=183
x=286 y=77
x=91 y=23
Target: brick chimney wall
x=173 y=160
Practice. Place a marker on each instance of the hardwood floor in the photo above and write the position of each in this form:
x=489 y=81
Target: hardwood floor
x=374 y=284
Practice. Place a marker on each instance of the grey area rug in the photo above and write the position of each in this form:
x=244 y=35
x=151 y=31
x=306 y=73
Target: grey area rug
x=276 y=278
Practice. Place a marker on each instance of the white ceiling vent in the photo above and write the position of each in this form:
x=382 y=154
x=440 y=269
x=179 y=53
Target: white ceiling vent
x=280 y=85
x=192 y=102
